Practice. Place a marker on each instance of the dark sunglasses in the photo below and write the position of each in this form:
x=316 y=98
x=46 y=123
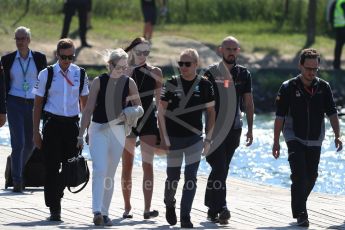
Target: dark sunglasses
x=67 y=57
x=140 y=53
x=20 y=38
x=311 y=69
x=184 y=63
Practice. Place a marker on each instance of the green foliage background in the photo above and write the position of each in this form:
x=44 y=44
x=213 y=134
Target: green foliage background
x=194 y=11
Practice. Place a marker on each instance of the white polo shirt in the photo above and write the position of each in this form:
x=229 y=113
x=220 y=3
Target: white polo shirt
x=63 y=98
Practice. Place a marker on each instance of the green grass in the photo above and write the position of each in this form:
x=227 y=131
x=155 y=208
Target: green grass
x=257 y=38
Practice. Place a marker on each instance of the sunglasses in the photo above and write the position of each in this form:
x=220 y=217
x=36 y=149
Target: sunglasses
x=121 y=67
x=232 y=49
x=184 y=63
x=140 y=53
x=67 y=57
x=20 y=38
x=311 y=69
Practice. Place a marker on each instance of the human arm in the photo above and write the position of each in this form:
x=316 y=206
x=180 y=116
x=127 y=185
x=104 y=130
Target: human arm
x=162 y=107
x=210 y=122
x=249 y=106
x=282 y=104
x=2 y=100
x=37 y=113
x=2 y=97
x=158 y=76
x=334 y=120
x=134 y=96
x=88 y=104
x=278 y=126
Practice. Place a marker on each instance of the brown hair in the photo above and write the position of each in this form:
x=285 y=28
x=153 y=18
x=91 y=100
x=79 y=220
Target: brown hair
x=64 y=43
x=309 y=53
x=134 y=43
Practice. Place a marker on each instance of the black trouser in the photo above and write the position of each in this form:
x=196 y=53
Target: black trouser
x=59 y=144
x=69 y=9
x=339 y=43
x=219 y=160
x=304 y=162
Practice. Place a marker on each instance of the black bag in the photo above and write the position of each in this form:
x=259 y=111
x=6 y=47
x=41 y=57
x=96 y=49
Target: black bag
x=75 y=172
x=34 y=171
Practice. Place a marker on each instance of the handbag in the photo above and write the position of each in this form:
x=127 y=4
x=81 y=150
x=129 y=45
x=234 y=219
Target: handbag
x=75 y=172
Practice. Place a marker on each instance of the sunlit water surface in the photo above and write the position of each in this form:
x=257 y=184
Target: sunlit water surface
x=255 y=163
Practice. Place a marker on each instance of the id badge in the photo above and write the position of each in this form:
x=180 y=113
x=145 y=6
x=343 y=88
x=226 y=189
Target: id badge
x=26 y=86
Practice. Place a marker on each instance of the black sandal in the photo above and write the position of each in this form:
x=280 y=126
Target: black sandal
x=151 y=214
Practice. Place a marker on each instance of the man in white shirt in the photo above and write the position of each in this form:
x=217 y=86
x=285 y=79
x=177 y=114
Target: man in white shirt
x=21 y=68
x=61 y=121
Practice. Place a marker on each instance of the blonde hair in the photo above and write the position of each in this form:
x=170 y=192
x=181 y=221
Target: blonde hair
x=191 y=53
x=111 y=56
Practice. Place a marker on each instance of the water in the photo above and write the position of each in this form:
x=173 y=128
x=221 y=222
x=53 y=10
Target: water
x=256 y=163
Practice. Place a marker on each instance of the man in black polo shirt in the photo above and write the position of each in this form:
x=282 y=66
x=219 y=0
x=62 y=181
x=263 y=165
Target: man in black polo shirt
x=184 y=98
x=302 y=104
x=233 y=93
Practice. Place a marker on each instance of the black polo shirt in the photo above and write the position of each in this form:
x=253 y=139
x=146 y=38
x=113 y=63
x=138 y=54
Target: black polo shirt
x=186 y=102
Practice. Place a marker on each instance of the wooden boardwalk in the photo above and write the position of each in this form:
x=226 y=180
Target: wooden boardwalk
x=252 y=206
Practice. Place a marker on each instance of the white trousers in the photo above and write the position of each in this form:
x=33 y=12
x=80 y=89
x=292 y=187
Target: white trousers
x=106 y=147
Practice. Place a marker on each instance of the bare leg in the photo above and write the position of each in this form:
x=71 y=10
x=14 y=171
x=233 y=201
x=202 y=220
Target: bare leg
x=127 y=166
x=148 y=30
x=147 y=144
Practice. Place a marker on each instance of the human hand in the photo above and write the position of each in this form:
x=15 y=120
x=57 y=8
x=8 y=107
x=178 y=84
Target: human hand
x=161 y=149
x=249 y=139
x=276 y=150
x=207 y=147
x=338 y=144
x=2 y=119
x=80 y=142
x=37 y=140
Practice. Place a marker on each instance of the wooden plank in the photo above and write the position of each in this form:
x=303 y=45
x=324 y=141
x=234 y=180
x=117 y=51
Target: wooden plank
x=252 y=206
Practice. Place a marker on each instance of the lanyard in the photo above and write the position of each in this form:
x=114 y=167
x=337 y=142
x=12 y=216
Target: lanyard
x=66 y=78
x=22 y=67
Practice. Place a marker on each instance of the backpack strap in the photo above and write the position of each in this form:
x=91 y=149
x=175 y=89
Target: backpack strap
x=82 y=80
x=48 y=84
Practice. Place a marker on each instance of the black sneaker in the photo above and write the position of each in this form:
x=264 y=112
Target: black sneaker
x=186 y=223
x=224 y=216
x=170 y=215
x=212 y=216
x=302 y=220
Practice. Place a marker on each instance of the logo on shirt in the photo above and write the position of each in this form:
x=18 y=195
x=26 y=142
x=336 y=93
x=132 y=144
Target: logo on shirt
x=298 y=94
x=36 y=84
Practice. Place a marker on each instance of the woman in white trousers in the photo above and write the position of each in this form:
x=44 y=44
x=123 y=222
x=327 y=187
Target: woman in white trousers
x=108 y=106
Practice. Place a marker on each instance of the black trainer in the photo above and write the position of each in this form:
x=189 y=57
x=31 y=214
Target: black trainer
x=170 y=215
x=186 y=223
x=302 y=220
x=224 y=216
x=212 y=216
